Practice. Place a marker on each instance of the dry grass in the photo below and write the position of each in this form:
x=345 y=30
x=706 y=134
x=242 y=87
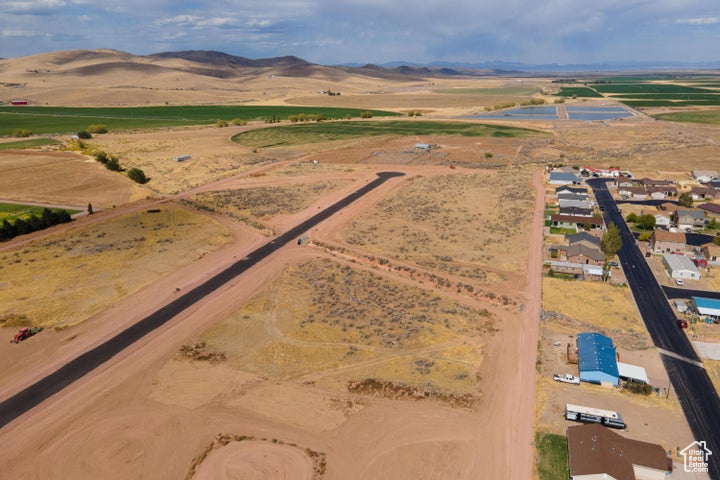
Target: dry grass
x=713 y=369
x=66 y=278
x=594 y=306
x=321 y=316
x=470 y=226
x=254 y=205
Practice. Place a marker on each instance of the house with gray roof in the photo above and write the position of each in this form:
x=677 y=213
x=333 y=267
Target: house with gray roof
x=561 y=178
x=586 y=238
x=689 y=218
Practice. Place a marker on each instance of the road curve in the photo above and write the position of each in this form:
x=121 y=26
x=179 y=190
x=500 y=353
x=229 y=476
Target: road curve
x=693 y=387
x=14 y=406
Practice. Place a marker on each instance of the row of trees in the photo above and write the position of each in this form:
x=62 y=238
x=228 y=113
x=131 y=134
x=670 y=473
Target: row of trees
x=47 y=218
x=112 y=163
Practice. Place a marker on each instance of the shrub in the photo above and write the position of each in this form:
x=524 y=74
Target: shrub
x=221 y=123
x=21 y=132
x=137 y=175
x=84 y=134
x=97 y=128
x=238 y=121
x=640 y=388
x=366 y=114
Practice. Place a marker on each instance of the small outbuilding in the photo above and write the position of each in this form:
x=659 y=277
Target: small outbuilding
x=680 y=266
x=632 y=373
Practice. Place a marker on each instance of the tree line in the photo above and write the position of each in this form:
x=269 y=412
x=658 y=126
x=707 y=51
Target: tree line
x=47 y=218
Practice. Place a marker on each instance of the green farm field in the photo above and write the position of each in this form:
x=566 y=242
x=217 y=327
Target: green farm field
x=12 y=211
x=324 y=132
x=503 y=91
x=32 y=143
x=66 y=120
x=640 y=88
x=584 y=92
x=705 y=116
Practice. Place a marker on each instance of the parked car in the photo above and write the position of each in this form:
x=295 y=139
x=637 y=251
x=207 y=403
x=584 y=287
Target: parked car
x=613 y=264
x=566 y=378
x=679 y=281
x=682 y=323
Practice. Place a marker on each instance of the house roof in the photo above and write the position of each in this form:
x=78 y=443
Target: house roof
x=564 y=177
x=573 y=190
x=632 y=372
x=665 y=236
x=652 y=182
x=705 y=191
x=572 y=196
x=582 y=249
x=679 y=262
x=582 y=236
x=594 y=449
x=582 y=212
x=712 y=249
x=699 y=214
x=575 y=219
x=710 y=207
x=707 y=306
x=596 y=353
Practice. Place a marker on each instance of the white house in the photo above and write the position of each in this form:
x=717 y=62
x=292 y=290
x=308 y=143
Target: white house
x=680 y=266
x=662 y=221
x=704 y=176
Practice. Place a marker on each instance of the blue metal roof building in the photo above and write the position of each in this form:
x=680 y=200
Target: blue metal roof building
x=597 y=359
x=707 y=306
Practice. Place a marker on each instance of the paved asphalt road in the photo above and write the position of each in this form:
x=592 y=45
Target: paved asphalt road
x=675 y=292
x=13 y=407
x=691 y=383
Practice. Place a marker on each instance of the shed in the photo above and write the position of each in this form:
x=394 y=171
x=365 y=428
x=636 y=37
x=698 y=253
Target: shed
x=680 y=266
x=680 y=306
x=181 y=158
x=632 y=373
x=707 y=306
x=597 y=360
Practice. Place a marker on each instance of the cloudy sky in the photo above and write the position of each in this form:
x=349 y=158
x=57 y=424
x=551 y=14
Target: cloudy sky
x=375 y=31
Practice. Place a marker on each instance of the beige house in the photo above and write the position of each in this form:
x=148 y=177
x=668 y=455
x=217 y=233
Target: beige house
x=712 y=253
x=662 y=241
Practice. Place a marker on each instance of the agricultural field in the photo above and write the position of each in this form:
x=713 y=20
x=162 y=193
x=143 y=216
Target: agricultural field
x=284 y=136
x=259 y=204
x=322 y=318
x=41 y=120
x=88 y=269
x=698 y=116
x=580 y=92
x=461 y=225
x=519 y=91
x=32 y=143
x=13 y=211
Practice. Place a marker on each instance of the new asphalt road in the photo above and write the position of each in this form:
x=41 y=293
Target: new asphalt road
x=11 y=408
x=691 y=383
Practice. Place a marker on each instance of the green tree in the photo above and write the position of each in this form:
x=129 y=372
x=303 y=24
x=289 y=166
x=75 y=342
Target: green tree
x=7 y=230
x=611 y=242
x=137 y=175
x=631 y=218
x=366 y=114
x=685 y=200
x=90 y=209
x=21 y=227
x=84 y=134
x=646 y=222
x=716 y=240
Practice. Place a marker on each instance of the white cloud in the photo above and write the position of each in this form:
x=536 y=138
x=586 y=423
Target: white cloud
x=698 y=21
x=18 y=33
x=31 y=6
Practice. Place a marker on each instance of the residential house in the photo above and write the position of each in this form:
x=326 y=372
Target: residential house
x=667 y=242
x=588 y=239
x=688 y=219
x=660 y=192
x=681 y=267
x=649 y=182
x=623 y=182
x=704 y=176
x=572 y=221
x=712 y=210
x=565 y=190
x=580 y=212
x=596 y=452
x=712 y=253
x=580 y=253
x=560 y=178
x=703 y=193
x=713 y=184
x=574 y=201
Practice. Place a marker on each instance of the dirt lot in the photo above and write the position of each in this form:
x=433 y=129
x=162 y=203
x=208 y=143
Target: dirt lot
x=400 y=342
x=62 y=178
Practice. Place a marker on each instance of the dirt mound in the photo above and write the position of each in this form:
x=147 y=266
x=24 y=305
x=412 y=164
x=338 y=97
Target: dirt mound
x=242 y=457
x=200 y=352
x=394 y=391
